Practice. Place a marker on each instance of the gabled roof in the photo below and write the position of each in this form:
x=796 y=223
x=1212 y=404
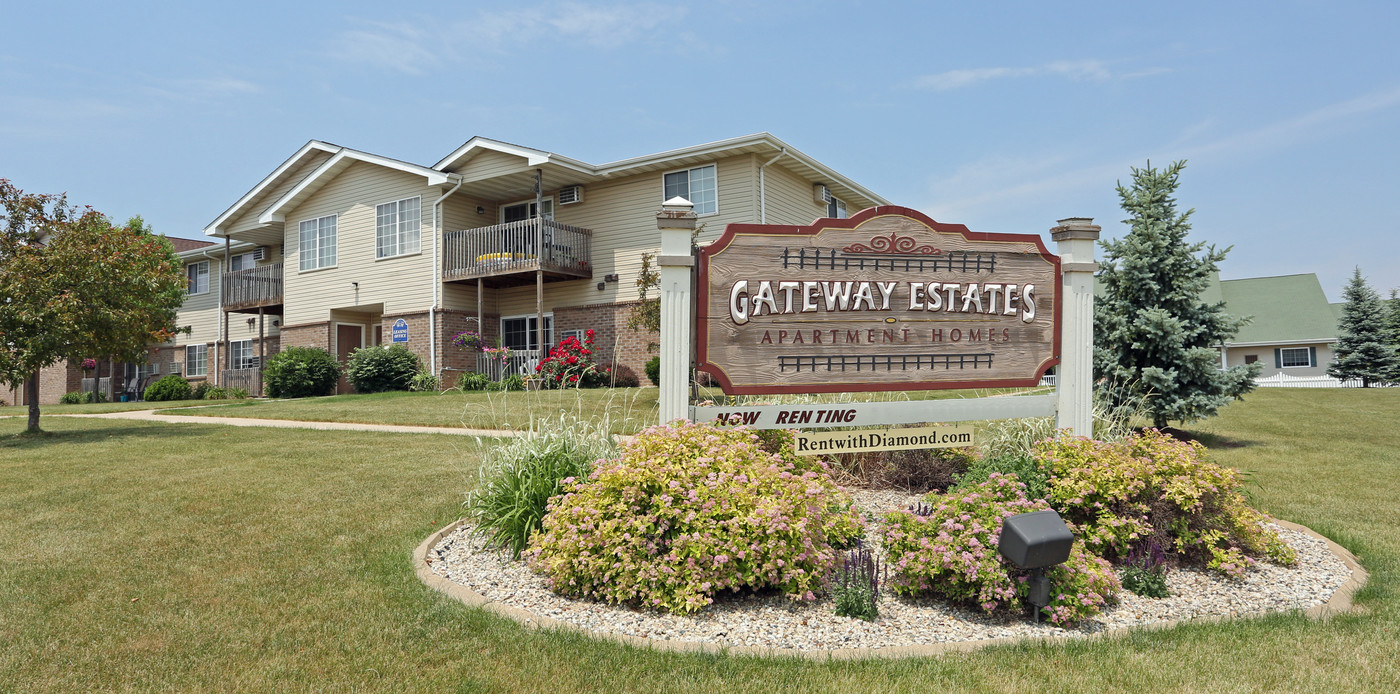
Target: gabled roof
x=271 y=180
x=758 y=143
x=332 y=167
x=1288 y=308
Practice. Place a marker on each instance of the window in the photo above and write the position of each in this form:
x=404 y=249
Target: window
x=523 y=332
x=197 y=277
x=318 y=243
x=836 y=209
x=242 y=261
x=396 y=227
x=196 y=360
x=1295 y=356
x=526 y=210
x=576 y=334
x=241 y=353
x=1251 y=358
x=696 y=185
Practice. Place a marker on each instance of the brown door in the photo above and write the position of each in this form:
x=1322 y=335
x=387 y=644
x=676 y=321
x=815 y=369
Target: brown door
x=347 y=338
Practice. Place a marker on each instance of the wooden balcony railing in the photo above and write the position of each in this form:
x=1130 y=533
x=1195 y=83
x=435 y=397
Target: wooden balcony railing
x=515 y=248
x=252 y=288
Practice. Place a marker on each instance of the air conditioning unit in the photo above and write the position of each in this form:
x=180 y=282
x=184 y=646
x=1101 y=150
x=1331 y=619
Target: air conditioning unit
x=176 y=367
x=821 y=194
x=569 y=195
x=262 y=253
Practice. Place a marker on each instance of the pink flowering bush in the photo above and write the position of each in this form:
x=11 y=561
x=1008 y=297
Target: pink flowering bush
x=689 y=510
x=951 y=551
x=1151 y=486
x=570 y=365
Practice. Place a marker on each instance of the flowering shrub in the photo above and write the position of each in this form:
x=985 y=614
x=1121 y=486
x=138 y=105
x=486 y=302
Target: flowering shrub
x=687 y=511
x=949 y=548
x=1153 y=487
x=570 y=364
x=470 y=340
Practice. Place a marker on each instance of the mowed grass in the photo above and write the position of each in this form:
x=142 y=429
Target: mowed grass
x=627 y=410
x=175 y=557
x=100 y=407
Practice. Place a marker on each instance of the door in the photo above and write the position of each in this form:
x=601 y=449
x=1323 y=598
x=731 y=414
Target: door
x=348 y=337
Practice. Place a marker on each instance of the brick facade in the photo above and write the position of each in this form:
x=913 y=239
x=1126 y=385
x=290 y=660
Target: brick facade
x=614 y=344
x=453 y=360
x=307 y=335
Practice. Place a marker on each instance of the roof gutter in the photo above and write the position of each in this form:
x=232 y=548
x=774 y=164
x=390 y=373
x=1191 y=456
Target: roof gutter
x=437 y=274
x=762 y=187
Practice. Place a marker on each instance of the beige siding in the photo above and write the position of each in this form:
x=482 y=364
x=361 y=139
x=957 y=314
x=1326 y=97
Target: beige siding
x=488 y=164
x=249 y=218
x=200 y=312
x=401 y=284
x=790 y=199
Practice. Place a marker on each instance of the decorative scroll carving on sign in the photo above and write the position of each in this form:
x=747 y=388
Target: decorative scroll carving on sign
x=894 y=243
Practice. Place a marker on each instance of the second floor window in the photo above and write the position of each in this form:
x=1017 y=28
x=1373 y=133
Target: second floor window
x=242 y=261
x=396 y=227
x=197 y=277
x=696 y=185
x=318 y=243
x=836 y=209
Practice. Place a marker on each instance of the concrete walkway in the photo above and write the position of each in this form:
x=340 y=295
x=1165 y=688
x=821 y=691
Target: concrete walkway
x=153 y=416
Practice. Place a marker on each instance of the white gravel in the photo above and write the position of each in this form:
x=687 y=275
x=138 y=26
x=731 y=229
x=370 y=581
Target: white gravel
x=770 y=620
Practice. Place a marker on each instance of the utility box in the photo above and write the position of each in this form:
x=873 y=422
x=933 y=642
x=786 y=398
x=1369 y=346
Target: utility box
x=1035 y=540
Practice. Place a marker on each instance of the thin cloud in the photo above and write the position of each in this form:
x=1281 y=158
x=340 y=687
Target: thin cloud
x=403 y=47
x=1076 y=70
x=202 y=89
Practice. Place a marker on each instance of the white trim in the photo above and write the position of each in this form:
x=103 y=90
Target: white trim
x=534 y=158
x=335 y=337
x=301 y=251
x=208 y=278
x=213 y=227
x=1276 y=343
x=688 y=169
x=204 y=371
x=398 y=230
x=501 y=209
x=1307 y=351
x=313 y=181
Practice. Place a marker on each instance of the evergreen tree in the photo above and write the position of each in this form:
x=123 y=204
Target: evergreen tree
x=1362 y=349
x=1392 y=330
x=1154 y=337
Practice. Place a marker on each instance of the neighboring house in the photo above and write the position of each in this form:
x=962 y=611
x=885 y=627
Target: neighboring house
x=1292 y=331
x=335 y=246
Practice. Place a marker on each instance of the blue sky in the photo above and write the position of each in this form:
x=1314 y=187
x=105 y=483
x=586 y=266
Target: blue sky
x=1005 y=121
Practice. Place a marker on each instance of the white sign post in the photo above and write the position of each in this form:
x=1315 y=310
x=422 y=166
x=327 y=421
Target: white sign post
x=676 y=221
x=1075 y=238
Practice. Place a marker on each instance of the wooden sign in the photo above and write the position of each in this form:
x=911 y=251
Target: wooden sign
x=886 y=300
x=862 y=440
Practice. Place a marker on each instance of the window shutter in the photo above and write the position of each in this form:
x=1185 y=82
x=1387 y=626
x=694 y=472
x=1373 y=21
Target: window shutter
x=1278 y=358
x=1312 y=356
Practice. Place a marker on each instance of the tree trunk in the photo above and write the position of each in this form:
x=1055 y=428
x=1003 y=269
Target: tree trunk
x=31 y=395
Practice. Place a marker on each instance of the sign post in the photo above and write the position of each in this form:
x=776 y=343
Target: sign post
x=1075 y=238
x=676 y=221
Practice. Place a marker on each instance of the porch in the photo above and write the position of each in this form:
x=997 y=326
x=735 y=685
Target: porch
x=254 y=288
x=510 y=254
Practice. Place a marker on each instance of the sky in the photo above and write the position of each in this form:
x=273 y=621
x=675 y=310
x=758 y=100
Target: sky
x=1004 y=117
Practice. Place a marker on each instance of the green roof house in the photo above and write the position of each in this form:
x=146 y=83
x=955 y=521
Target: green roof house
x=1292 y=331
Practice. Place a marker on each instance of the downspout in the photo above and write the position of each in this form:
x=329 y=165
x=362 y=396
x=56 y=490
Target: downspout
x=437 y=278
x=762 y=190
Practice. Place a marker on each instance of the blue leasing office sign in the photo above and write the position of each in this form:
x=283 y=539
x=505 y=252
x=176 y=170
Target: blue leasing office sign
x=400 y=330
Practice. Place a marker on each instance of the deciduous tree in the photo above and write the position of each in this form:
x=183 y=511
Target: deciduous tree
x=1154 y=336
x=1362 y=349
x=72 y=285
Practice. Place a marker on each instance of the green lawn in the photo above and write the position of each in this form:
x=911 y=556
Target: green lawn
x=177 y=557
x=628 y=409
x=96 y=408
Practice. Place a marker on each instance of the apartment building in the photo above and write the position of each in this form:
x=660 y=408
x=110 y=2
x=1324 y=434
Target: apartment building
x=338 y=248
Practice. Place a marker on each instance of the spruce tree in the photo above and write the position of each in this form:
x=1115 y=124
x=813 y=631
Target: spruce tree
x=1362 y=349
x=1392 y=330
x=1154 y=337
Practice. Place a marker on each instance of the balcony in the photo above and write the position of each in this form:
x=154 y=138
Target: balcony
x=254 y=288
x=509 y=254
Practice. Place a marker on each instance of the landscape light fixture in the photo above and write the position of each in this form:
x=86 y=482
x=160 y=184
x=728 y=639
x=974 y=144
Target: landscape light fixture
x=1036 y=541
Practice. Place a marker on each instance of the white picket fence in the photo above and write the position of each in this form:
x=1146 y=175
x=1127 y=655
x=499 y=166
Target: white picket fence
x=1283 y=380
x=520 y=361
